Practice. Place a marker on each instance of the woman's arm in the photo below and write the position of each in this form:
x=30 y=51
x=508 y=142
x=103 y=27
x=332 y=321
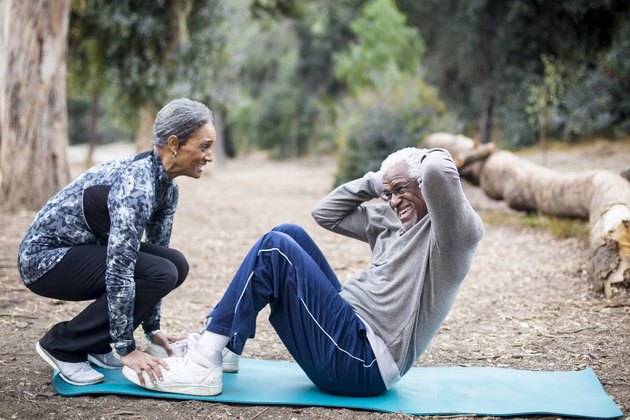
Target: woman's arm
x=130 y=206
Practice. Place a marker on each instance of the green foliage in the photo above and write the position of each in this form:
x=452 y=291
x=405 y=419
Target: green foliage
x=322 y=32
x=79 y=124
x=391 y=107
x=144 y=53
x=384 y=45
x=482 y=52
x=379 y=123
x=285 y=122
x=287 y=98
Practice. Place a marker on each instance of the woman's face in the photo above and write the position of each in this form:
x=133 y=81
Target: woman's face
x=192 y=156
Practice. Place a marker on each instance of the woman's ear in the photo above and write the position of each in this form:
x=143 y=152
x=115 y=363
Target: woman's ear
x=173 y=143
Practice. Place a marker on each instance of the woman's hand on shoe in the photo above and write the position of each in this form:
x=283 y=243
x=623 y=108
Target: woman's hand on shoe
x=143 y=362
x=164 y=340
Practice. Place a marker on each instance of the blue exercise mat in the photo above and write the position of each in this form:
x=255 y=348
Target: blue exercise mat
x=423 y=391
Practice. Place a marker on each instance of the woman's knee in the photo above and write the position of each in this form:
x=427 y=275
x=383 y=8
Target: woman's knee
x=181 y=264
x=160 y=277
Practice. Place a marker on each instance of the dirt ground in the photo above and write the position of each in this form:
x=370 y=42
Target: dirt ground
x=526 y=303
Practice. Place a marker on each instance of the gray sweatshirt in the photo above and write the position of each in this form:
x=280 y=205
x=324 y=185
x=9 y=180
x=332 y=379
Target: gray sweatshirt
x=414 y=276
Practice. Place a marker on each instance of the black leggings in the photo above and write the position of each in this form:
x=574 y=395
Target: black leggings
x=80 y=275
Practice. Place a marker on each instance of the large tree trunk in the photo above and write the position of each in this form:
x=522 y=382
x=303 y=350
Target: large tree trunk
x=33 y=115
x=601 y=197
x=144 y=133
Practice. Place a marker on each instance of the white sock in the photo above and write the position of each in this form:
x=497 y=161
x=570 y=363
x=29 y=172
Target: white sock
x=210 y=341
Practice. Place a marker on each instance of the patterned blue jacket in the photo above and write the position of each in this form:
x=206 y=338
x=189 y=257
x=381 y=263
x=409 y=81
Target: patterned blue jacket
x=141 y=200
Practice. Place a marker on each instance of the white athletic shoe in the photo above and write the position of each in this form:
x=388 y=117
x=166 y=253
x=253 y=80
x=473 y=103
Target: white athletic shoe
x=109 y=360
x=230 y=359
x=179 y=347
x=192 y=374
x=75 y=373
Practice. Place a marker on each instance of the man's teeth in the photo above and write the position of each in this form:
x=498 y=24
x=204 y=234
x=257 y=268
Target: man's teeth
x=405 y=211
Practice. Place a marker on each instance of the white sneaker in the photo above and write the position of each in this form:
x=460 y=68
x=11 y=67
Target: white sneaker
x=230 y=359
x=192 y=374
x=179 y=347
x=75 y=373
x=109 y=360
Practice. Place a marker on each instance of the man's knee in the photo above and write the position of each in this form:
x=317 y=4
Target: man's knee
x=283 y=241
x=289 y=228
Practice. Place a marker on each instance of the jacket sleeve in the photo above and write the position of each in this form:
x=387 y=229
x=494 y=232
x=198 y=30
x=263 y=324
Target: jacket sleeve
x=158 y=232
x=160 y=225
x=130 y=206
x=342 y=211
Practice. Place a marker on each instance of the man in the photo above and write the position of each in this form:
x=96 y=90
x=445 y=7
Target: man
x=360 y=338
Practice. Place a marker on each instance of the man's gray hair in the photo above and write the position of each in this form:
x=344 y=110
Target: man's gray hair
x=180 y=117
x=411 y=155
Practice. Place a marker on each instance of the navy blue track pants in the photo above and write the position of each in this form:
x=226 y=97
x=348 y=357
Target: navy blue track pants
x=286 y=270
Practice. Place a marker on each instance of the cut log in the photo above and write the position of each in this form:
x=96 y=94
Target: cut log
x=599 y=196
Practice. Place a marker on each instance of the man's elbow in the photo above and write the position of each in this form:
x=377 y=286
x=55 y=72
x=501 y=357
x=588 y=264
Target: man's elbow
x=321 y=219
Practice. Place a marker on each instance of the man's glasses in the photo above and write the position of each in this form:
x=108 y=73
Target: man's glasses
x=398 y=190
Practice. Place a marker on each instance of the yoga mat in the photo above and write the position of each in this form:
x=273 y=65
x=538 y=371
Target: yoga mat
x=422 y=391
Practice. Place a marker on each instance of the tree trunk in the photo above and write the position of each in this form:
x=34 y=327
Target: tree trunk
x=33 y=114
x=485 y=124
x=93 y=139
x=601 y=197
x=144 y=134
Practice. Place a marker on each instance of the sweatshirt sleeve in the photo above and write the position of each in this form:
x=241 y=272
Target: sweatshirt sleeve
x=454 y=222
x=342 y=211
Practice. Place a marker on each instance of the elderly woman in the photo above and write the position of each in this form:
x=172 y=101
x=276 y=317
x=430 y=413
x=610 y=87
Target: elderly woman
x=86 y=244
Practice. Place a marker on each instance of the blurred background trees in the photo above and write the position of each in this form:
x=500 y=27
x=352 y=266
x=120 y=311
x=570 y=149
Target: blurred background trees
x=353 y=78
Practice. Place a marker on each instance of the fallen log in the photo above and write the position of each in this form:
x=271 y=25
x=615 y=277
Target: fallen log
x=599 y=196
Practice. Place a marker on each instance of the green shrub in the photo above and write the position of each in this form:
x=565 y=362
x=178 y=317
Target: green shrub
x=379 y=123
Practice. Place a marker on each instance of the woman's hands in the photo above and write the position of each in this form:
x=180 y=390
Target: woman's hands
x=143 y=362
x=164 y=340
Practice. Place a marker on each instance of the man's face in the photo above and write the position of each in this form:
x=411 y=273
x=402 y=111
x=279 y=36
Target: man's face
x=404 y=195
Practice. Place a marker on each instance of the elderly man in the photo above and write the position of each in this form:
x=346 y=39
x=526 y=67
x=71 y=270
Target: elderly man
x=359 y=338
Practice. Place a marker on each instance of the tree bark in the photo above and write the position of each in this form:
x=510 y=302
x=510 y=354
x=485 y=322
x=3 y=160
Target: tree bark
x=93 y=139
x=599 y=196
x=33 y=115
x=144 y=133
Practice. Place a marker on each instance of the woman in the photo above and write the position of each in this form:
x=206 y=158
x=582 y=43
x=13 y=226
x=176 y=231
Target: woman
x=86 y=243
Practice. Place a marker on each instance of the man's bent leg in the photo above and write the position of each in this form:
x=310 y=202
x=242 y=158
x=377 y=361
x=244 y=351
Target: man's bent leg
x=318 y=327
x=307 y=244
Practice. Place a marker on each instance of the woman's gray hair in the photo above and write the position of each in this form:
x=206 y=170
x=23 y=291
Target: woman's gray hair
x=180 y=117
x=412 y=156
